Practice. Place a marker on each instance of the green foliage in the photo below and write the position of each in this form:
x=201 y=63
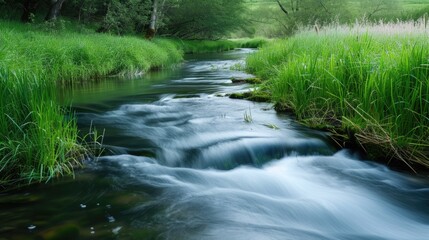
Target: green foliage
x=181 y=18
x=420 y=13
x=379 y=9
x=126 y=16
x=270 y=21
x=197 y=19
x=85 y=11
x=114 y=16
x=373 y=79
x=10 y=9
x=190 y=19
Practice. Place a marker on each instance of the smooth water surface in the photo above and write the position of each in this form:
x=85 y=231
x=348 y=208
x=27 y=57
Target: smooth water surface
x=185 y=162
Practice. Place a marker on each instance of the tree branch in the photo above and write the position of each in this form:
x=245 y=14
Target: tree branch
x=377 y=9
x=323 y=5
x=282 y=8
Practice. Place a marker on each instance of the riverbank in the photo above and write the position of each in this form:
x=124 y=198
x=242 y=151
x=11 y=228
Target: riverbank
x=210 y=46
x=65 y=56
x=367 y=82
x=39 y=138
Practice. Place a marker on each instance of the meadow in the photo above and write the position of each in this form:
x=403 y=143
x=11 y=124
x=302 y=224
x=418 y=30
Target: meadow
x=366 y=81
x=405 y=5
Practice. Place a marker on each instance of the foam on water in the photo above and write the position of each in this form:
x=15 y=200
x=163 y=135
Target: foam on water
x=313 y=197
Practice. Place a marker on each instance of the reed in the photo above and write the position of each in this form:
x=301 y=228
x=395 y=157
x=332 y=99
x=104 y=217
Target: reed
x=369 y=79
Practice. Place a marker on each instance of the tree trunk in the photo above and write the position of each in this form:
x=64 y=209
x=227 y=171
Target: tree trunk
x=29 y=7
x=54 y=10
x=150 y=33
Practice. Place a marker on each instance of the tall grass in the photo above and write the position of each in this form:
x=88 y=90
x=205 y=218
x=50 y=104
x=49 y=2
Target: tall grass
x=371 y=79
x=38 y=140
x=67 y=56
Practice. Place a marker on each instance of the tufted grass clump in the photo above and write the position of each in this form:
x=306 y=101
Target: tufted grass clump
x=38 y=142
x=371 y=80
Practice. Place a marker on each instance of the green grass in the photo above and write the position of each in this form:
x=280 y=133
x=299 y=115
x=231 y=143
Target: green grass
x=68 y=56
x=205 y=46
x=372 y=80
x=268 y=20
x=407 y=5
x=38 y=142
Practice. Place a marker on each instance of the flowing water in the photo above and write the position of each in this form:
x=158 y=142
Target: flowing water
x=185 y=162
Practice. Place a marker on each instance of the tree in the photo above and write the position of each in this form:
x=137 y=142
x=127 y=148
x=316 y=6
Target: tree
x=378 y=8
x=126 y=16
x=204 y=19
x=315 y=10
x=294 y=13
x=28 y=8
x=283 y=8
x=154 y=17
x=85 y=11
x=54 y=10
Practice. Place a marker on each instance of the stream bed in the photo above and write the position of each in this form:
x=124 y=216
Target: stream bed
x=185 y=162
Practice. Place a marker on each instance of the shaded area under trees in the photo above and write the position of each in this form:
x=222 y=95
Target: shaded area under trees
x=188 y=19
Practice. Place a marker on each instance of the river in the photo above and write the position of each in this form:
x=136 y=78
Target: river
x=183 y=161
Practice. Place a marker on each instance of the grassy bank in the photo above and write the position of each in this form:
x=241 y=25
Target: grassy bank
x=205 y=46
x=66 y=55
x=38 y=140
x=371 y=81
